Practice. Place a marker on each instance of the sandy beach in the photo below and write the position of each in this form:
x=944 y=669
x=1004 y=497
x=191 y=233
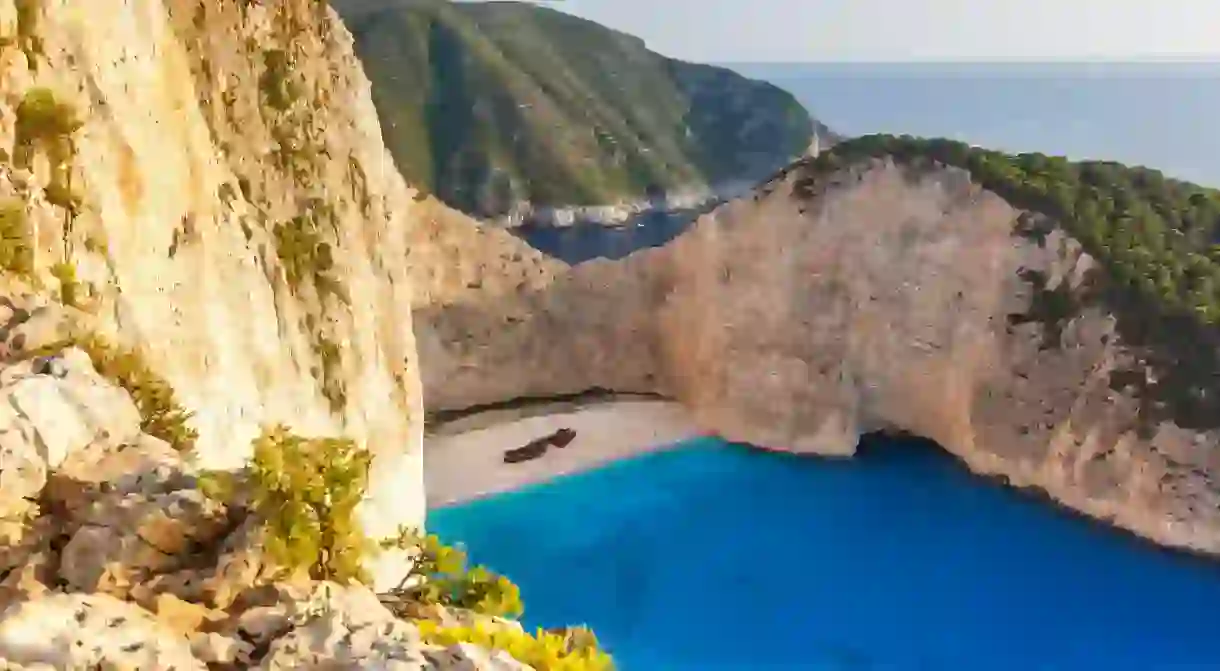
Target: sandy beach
x=467 y=464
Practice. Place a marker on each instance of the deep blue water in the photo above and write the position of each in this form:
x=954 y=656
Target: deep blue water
x=585 y=241
x=1159 y=115
x=712 y=556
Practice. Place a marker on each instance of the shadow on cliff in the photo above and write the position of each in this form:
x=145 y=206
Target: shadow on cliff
x=899 y=447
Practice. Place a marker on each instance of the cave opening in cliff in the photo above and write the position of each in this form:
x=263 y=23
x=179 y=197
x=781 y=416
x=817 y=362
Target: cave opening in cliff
x=876 y=444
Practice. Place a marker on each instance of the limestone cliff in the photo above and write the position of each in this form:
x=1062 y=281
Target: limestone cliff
x=207 y=179
x=878 y=297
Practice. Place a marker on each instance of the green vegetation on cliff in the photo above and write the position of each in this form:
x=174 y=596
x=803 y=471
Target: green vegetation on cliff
x=1153 y=233
x=1156 y=237
x=161 y=414
x=486 y=104
x=305 y=491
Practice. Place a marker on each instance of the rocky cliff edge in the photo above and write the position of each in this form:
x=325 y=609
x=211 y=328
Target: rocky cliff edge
x=202 y=238
x=876 y=298
x=205 y=183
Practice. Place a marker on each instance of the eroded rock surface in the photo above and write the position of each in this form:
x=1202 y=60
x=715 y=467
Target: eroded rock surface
x=207 y=182
x=879 y=298
x=112 y=556
x=79 y=631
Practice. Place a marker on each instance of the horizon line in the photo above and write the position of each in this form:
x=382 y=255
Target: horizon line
x=1083 y=60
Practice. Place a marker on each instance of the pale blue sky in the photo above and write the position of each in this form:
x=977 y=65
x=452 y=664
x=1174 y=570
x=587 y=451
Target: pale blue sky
x=901 y=30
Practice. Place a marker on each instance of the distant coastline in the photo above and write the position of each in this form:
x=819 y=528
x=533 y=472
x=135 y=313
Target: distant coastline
x=1155 y=113
x=986 y=68
x=618 y=214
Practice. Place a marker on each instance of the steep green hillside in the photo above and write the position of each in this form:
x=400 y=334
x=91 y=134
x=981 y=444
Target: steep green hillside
x=485 y=104
x=1155 y=237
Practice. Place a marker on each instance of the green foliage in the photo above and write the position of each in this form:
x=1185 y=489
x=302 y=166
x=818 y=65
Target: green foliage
x=161 y=415
x=306 y=491
x=275 y=85
x=218 y=485
x=1153 y=233
x=486 y=104
x=305 y=255
x=16 y=238
x=96 y=243
x=1051 y=307
x=47 y=123
x=545 y=651
x=69 y=287
x=29 y=14
x=330 y=373
x=446 y=580
x=60 y=194
x=42 y=119
x=1155 y=237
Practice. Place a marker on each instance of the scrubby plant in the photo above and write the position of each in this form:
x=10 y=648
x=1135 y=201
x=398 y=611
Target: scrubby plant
x=306 y=491
x=44 y=119
x=1150 y=231
x=545 y=651
x=440 y=576
x=221 y=486
x=1155 y=241
x=161 y=415
x=28 y=16
x=16 y=238
x=59 y=191
x=329 y=374
x=304 y=253
x=96 y=243
x=69 y=287
x=45 y=122
x=274 y=83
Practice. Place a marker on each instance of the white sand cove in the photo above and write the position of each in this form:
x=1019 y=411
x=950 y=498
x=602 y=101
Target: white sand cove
x=465 y=464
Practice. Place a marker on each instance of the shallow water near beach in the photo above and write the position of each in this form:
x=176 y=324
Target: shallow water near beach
x=711 y=556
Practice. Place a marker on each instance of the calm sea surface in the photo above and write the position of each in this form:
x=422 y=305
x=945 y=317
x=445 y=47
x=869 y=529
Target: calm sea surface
x=1159 y=115
x=715 y=557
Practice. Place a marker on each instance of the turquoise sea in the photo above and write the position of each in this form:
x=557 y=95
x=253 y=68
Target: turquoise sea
x=713 y=556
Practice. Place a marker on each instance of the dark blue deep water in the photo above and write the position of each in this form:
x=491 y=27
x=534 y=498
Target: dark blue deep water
x=712 y=556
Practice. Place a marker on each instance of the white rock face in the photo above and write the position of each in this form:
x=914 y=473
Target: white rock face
x=69 y=405
x=163 y=577
x=239 y=222
x=346 y=628
x=227 y=210
x=467 y=657
x=80 y=631
x=47 y=416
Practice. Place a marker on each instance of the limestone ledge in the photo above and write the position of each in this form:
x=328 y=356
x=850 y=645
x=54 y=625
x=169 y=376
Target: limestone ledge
x=112 y=557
